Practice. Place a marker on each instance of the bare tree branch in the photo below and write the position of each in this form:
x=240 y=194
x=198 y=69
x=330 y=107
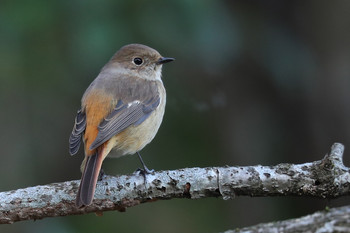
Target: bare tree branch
x=327 y=178
x=332 y=220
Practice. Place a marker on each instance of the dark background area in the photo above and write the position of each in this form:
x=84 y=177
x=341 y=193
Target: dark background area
x=254 y=82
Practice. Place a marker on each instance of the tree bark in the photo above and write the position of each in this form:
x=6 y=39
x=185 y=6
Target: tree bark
x=327 y=178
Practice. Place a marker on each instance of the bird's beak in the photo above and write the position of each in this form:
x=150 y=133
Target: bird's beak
x=163 y=60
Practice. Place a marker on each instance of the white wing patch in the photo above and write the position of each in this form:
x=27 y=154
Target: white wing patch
x=135 y=102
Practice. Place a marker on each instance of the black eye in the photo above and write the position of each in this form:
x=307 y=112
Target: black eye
x=138 y=61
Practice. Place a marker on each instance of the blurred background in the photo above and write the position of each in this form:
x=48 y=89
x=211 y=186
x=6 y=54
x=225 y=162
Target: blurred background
x=254 y=82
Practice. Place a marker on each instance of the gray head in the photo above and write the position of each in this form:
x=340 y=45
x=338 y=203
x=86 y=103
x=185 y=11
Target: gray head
x=142 y=60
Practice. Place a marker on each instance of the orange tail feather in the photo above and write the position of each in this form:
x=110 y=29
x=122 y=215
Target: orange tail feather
x=89 y=178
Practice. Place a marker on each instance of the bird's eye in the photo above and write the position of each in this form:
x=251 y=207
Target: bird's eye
x=138 y=61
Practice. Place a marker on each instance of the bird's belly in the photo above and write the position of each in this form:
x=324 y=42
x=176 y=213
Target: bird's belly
x=135 y=138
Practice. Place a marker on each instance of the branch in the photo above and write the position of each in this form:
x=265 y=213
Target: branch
x=331 y=220
x=327 y=178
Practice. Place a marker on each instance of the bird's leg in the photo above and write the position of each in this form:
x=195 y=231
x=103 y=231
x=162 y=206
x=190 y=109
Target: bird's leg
x=101 y=175
x=145 y=170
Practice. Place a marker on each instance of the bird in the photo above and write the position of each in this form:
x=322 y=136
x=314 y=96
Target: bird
x=122 y=109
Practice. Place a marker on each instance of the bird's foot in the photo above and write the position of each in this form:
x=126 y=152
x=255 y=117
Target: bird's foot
x=101 y=175
x=145 y=171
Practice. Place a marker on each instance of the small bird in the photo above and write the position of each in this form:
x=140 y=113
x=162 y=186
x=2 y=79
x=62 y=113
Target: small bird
x=122 y=109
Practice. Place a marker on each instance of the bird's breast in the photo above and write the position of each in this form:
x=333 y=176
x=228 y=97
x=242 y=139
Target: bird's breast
x=136 y=137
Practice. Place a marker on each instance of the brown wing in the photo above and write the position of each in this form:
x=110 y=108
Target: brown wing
x=123 y=116
x=134 y=100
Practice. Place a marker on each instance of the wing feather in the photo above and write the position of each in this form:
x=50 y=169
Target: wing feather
x=78 y=130
x=123 y=116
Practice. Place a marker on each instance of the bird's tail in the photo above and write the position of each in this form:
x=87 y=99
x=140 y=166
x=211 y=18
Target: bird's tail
x=89 y=178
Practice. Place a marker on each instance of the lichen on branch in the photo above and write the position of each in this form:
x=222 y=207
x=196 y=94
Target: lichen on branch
x=326 y=178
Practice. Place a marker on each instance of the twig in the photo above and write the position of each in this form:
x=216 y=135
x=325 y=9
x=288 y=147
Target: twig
x=329 y=220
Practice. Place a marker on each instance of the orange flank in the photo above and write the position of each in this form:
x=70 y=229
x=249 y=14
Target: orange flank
x=97 y=106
